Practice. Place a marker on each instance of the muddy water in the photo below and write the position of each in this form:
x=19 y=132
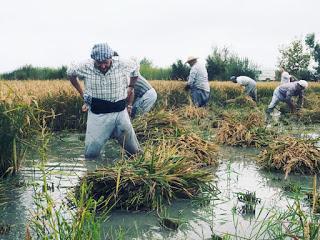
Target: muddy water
x=222 y=214
x=237 y=173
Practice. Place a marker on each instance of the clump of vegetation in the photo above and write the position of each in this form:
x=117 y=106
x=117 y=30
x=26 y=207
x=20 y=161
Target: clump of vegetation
x=50 y=219
x=5 y=229
x=313 y=200
x=310 y=113
x=309 y=116
x=241 y=101
x=18 y=122
x=293 y=223
x=75 y=220
x=243 y=129
x=155 y=126
x=195 y=149
x=292 y=187
x=150 y=180
x=168 y=222
x=68 y=111
x=290 y=154
x=313 y=197
x=248 y=197
x=311 y=101
x=250 y=201
x=192 y=112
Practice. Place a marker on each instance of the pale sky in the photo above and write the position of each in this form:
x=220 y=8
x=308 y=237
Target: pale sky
x=58 y=32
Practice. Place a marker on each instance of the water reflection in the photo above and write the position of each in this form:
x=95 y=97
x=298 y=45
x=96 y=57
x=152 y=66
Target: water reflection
x=236 y=173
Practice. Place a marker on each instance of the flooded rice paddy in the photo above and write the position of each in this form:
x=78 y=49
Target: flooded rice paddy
x=223 y=212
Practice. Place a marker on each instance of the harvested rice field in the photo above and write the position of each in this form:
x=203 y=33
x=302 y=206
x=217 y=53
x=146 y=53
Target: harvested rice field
x=211 y=173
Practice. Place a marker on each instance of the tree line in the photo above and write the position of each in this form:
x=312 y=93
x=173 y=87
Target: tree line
x=301 y=58
x=29 y=72
x=221 y=64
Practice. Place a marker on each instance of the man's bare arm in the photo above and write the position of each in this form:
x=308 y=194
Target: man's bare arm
x=75 y=83
x=130 y=98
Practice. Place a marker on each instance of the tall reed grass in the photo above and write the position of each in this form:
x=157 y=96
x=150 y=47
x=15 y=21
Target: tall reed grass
x=71 y=220
x=18 y=123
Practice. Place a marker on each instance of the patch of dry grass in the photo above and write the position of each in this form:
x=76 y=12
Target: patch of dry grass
x=290 y=154
x=191 y=112
x=195 y=149
x=243 y=129
x=148 y=181
x=241 y=101
x=157 y=125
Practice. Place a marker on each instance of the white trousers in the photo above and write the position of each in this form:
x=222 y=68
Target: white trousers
x=101 y=126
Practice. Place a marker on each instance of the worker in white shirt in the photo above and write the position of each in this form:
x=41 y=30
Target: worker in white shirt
x=285 y=76
x=250 y=85
x=198 y=82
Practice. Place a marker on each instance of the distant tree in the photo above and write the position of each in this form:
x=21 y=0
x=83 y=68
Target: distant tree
x=179 y=71
x=296 y=60
x=314 y=48
x=222 y=64
x=28 y=72
x=152 y=72
x=146 y=61
x=237 y=66
x=216 y=63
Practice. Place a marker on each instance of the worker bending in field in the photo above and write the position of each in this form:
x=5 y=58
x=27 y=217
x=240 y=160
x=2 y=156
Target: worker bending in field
x=105 y=99
x=250 y=85
x=285 y=76
x=284 y=93
x=198 y=82
x=145 y=97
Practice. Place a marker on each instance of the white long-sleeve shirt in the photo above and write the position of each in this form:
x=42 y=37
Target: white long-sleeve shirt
x=285 y=77
x=198 y=77
x=247 y=82
x=244 y=81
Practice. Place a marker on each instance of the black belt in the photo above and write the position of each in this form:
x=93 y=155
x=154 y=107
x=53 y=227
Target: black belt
x=103 y=106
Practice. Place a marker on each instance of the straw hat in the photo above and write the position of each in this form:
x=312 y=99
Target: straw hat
x=191 y=58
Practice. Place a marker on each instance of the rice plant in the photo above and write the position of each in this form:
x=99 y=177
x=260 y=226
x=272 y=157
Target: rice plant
x=289 y=154
x=197 y=150
x=241 y=101
x=157 y=125
x=190 y=112
x=18 y=122
x=71 y=220
x=243 y=129
x=148 y=181
x=292 y=223
x=54 y=221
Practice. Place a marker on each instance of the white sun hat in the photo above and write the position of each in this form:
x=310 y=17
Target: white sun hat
x=303 y=83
